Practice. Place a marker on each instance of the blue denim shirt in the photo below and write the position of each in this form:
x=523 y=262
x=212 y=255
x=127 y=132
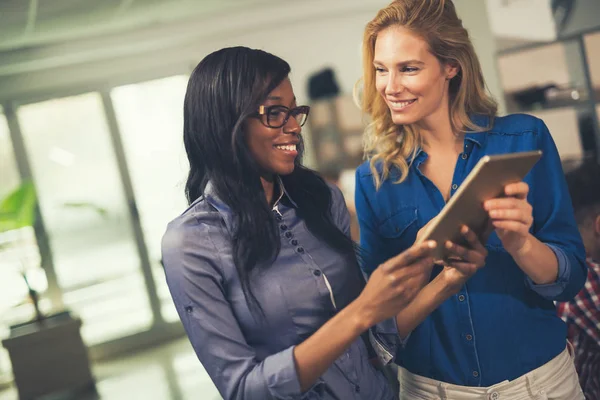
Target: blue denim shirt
x=303 y=288
x=500 y=325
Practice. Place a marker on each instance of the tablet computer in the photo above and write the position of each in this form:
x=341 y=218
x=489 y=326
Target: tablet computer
x=486 y=181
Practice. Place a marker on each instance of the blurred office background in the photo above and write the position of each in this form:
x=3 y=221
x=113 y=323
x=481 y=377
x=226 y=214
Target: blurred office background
x=91 y=96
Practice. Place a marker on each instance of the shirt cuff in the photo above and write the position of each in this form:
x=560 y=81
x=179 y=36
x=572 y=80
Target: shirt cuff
x=551 y=290
x=385 y=340
x=279 y=372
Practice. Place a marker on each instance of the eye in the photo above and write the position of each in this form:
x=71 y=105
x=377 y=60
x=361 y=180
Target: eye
x=409 y=69
x=275 y=112
x=379 y=70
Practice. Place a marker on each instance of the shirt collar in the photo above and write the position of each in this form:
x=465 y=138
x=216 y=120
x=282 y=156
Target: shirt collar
x=224 y=210
x=478 y=138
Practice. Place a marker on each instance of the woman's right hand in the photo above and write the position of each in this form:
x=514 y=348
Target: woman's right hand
x=463 y=262
x=395 y=283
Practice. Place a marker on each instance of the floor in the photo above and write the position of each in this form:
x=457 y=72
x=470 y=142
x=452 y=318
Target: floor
x=167 y=372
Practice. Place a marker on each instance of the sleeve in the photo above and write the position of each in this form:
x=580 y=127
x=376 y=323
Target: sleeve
x=384 y=336
x=554 y=222
x=339 y=210
x=373 y=252
x=194 y=277
x=583 y=310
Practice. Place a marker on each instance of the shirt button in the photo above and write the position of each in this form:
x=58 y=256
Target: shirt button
x=454 y=187
x=461 y=298
x=317 y=272
x=357 y=389
x=464 y=156
x=188 y=309
x=294 y=242
x=494 y=396
x=475 y=374
x=288 y=234
x=469 y=337
x=278 y=217
x=283 y=227
x=300 y=250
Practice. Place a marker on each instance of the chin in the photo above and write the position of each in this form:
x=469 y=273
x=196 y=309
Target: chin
x=401 y=119
x=285 y=169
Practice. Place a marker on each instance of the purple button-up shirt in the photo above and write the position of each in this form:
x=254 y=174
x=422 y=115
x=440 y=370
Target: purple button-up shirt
x=249 y=358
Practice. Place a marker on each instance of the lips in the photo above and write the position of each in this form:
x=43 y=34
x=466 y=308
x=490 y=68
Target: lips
x=286 y=147
x=400 y=104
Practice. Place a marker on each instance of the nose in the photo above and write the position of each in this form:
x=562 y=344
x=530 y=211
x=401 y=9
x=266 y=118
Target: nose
x=292 y=126
x=394 y=84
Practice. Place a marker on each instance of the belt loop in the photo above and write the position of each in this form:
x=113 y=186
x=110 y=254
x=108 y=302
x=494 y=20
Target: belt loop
x=532 y=386
x=442 y=390
x=571 y=350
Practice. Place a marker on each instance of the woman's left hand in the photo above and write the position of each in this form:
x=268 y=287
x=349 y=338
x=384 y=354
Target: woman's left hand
x=512 y=216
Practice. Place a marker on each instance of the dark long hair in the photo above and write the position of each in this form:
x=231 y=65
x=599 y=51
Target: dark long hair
x=224 y=89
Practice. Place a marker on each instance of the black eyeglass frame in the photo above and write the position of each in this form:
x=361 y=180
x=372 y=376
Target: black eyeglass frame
x=264 y=110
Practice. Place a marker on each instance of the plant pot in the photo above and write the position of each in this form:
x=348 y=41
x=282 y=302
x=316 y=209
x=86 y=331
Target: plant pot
x=48 y=356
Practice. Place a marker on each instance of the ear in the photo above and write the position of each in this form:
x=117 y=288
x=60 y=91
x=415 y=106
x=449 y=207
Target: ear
x=451 y=70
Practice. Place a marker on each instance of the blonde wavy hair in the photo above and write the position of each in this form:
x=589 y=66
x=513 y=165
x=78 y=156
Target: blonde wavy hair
x=437 y=23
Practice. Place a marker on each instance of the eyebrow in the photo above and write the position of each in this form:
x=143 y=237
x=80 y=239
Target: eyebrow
x=375 y=62
x=279 y=98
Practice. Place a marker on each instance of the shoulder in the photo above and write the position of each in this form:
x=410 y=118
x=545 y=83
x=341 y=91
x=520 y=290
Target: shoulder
x=195 y=234
x=364 y=172
x=516 y=124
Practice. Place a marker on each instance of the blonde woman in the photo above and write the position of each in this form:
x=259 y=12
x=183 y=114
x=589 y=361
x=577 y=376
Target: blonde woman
x=497 y=336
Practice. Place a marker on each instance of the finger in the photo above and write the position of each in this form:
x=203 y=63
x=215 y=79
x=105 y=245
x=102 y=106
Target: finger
x=410 y=256
x=501 y=203
x=401 y=276
x=472 y=239
x=518 y=190
x=467 y=269
x=462 y=254
x=511 y=226
x=510 y=215
x=413 y=269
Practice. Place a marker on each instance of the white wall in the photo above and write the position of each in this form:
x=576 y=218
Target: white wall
x=317 y=34
x=475 y=19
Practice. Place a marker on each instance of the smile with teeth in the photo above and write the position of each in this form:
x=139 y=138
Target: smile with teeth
x=287 y=147
x=401 y=104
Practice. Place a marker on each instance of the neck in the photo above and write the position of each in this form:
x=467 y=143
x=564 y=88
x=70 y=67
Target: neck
x=437 y=133
x=268 y=184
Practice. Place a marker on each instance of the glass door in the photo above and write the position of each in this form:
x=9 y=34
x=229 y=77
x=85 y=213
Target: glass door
x=86 y=215
x=150 y=120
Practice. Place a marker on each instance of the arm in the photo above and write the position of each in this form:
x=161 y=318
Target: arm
x=462 y=265
x=551 y=253
x=195 y=280
x=194 y=277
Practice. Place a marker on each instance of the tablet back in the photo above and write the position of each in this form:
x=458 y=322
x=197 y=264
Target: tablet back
x=486 y=181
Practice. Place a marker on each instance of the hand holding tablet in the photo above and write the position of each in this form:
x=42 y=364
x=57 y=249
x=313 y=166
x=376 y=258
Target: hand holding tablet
x=486 y=181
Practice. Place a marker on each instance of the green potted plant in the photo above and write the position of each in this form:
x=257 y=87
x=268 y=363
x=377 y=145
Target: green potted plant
x=48 y=355
x=17 y=211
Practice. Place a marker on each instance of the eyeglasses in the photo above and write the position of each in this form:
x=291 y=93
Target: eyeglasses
x=278 y=116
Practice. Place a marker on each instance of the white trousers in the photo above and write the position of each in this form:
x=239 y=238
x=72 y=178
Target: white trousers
x=557 y=379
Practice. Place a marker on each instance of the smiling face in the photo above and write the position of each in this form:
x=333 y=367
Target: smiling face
x=275 y=149
x=411 y=80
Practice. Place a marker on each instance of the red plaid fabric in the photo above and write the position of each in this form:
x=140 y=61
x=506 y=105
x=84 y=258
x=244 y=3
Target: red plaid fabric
x=582 y=315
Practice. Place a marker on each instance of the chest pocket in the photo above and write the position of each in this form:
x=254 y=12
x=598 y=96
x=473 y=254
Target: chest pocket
x=400 y=229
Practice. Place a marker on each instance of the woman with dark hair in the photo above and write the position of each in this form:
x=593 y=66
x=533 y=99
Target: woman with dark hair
x=261 y=268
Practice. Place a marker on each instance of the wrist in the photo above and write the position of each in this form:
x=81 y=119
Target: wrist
x=359 y=316
x=447 y=287
x=524 y=250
